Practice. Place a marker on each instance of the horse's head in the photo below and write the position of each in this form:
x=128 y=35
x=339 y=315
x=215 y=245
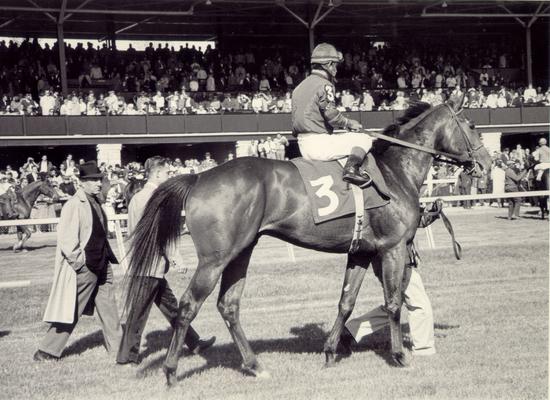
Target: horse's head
x=47 y=189
x=462 y=140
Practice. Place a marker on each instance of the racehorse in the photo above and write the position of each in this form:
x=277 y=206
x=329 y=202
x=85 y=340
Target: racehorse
x=26 y=198
x=229 y=207
x=543 y=184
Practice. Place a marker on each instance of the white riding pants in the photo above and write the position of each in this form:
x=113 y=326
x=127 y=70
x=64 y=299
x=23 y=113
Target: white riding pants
x=420 y=316
x=325 y=147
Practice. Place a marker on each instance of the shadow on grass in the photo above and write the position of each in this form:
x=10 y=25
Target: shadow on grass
x=4 y=333
x=537 y=217
x=533 y=212
x=29 y=248
x=87 y=342
x=445 y=326
x=309 y=338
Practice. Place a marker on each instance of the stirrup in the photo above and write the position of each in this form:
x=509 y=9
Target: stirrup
x=362 y=179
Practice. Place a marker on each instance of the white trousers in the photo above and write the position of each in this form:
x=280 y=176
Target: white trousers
x=325 y=147
x=420 y=315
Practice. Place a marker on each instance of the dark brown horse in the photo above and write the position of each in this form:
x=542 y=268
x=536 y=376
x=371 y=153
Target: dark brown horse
x=228 y=208
x=26 y=198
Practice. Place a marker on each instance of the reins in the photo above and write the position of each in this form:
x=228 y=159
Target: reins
x=452 y=157
x=448 y=157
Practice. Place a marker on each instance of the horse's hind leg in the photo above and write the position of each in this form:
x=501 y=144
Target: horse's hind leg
x=232 y=286
x=392 y=263
x=201 y=285
x=352 y=283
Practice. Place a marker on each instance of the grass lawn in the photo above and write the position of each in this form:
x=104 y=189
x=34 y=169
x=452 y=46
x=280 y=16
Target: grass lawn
x=491 y=326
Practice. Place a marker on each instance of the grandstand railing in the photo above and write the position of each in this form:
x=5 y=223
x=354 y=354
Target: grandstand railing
x=521 y=119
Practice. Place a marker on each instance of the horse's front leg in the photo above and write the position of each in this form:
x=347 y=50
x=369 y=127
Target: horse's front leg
x=392 y=265
x=23 y=234
x=352 y=283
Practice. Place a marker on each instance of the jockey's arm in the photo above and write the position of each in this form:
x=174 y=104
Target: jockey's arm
x=328 y=109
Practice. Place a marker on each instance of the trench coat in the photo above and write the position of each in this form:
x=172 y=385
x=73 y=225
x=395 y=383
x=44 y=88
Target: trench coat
x=73 y=232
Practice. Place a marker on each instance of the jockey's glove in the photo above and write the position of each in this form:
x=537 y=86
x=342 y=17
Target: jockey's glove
x=354 y=125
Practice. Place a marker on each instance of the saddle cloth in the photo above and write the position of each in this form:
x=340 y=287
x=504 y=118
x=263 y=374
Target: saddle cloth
x=330 y=195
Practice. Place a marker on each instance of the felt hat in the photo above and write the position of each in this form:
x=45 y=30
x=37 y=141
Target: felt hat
x=89 y=170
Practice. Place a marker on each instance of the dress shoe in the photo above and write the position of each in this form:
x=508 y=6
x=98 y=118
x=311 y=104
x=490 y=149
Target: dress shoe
x=43 y=356
x=129 y=363
x=203 y=345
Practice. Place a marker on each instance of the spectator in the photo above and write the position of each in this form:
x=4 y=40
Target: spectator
x=33 y=176
x=529 y=94
x=208 y=162
x=67 y=186
x=280 y=143
x=497 y=178
x=44 y=166
x=513 y=177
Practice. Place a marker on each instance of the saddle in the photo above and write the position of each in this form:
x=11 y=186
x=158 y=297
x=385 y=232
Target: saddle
x=333 y=198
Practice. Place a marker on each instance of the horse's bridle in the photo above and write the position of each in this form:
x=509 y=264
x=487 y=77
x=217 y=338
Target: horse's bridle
x=459 y=159
x=470 y=149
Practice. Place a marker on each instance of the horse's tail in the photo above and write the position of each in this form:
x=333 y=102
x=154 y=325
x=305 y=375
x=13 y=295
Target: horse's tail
x=158 y=228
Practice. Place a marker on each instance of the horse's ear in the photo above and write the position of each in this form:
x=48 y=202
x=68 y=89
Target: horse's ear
x=456 y=102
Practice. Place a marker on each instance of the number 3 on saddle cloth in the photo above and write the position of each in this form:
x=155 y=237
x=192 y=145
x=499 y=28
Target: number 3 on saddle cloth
x=332 y=197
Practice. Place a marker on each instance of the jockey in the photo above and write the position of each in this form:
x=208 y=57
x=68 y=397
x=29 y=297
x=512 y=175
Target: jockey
x=542 y=155
x=314 y=118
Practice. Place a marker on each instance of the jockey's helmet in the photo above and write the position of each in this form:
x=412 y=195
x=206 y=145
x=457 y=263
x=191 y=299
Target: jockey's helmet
x=327 y=57
x=325 y=53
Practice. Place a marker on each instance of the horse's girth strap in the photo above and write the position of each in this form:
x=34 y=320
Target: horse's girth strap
x=359 y=218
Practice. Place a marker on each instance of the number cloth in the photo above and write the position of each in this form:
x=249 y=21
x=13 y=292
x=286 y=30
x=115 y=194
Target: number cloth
x=328 y=193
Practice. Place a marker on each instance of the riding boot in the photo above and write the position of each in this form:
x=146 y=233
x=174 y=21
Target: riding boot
x=353 y=173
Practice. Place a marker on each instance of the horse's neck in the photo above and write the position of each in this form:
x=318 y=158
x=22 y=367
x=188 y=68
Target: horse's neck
x=29 y=196
x=408 y=164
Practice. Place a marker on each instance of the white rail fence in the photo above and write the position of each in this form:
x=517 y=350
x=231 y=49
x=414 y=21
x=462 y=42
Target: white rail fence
x=123 y=217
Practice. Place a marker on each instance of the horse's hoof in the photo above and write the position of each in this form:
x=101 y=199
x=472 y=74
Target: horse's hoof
x=170 y=376
x=256 y=371
x=402 y=358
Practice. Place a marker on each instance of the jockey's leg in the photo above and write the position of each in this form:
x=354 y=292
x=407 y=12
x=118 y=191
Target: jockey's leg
x=353 y=173
x=360 y=144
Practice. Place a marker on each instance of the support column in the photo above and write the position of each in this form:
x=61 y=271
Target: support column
x=491 y=141
x=109 y=153
x=311 y=31
x=529 y=55
x=62 y=62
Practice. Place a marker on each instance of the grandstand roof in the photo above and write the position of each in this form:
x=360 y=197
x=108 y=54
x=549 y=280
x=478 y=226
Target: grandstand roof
x=216 y=19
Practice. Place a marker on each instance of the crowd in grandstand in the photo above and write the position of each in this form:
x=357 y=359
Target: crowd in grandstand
x=164 y=80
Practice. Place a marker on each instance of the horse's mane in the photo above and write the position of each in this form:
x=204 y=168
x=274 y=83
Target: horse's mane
x=415 y=109
x=30 y=187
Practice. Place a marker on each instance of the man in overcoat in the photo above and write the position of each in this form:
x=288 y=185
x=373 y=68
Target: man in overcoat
x=83 y=277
